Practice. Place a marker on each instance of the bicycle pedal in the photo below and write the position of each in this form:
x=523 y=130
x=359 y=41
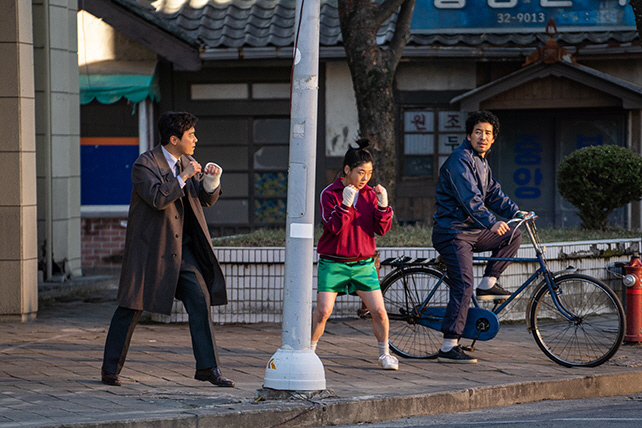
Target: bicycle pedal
x=364 y=314
x=467 y=348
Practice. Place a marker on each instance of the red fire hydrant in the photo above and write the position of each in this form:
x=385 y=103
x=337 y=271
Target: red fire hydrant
x=633 y=283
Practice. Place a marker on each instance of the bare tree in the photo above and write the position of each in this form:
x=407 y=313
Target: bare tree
x=373 y=70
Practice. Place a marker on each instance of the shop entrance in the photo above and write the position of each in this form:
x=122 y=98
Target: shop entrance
x=532 y=143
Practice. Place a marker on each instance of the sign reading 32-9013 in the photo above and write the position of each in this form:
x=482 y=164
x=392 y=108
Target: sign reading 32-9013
x=502 y=16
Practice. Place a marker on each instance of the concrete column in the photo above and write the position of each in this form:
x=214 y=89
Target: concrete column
x=18 y=243
x=58 y=135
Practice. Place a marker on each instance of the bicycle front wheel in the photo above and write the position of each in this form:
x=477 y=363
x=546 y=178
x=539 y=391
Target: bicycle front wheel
x=404 y=292
x=590 y=333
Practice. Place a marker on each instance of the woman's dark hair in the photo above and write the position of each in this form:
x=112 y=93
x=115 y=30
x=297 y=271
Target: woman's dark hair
x=174 y=124
x=482 y=117
x=358 y=156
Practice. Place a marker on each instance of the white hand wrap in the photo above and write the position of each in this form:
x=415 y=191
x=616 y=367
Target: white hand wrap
x=212 y=181
x=349 y=192
x=382 y=197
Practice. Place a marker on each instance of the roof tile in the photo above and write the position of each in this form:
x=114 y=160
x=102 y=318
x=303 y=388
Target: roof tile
x=216 y=24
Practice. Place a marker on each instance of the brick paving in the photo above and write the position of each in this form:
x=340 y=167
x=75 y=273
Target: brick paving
x=49 y=375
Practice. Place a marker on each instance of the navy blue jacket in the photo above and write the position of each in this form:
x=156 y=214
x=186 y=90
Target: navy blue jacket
x=467 y=193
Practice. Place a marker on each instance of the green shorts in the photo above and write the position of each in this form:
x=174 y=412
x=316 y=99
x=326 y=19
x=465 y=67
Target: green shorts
x=342 y=278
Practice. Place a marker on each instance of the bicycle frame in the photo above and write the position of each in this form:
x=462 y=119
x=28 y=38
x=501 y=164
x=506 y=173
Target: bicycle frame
x=529 y=222
x=575 y=319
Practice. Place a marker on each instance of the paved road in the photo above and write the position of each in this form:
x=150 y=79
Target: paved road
x=620 y=411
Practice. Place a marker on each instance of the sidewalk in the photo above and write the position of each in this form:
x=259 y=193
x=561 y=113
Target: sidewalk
x=50 y=375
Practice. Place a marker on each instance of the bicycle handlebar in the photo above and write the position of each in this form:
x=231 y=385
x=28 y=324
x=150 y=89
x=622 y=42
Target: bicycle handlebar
x=522 y=218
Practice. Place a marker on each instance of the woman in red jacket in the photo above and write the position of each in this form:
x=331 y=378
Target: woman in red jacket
x=352 y=213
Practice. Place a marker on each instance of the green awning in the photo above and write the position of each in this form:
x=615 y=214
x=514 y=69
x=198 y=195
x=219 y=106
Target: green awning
x=108 y=89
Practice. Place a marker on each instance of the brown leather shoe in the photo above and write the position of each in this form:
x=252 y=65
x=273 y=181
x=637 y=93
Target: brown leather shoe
x=214 y=376
x=109 y=378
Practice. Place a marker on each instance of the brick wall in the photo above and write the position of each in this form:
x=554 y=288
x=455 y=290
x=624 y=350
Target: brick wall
x=103 y=241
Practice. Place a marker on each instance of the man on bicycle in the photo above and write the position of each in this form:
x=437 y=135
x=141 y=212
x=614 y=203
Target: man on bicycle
x=468 y=197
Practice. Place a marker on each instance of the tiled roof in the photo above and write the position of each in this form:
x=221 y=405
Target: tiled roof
x=243 y=24
x=235 y=23
x=629 y=93
x=522 y=39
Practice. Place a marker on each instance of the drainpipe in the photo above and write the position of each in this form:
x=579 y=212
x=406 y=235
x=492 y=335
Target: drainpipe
x=144 y=126
x=48 y=148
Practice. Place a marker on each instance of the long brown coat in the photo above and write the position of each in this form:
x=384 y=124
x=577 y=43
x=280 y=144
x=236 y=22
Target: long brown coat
x=153 y=243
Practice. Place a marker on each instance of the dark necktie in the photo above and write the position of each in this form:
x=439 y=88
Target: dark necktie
x=188 y=214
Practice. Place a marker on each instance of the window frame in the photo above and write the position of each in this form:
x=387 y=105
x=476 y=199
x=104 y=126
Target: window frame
x=438 y=129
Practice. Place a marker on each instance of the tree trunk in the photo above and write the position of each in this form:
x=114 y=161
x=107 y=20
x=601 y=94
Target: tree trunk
x=373 y=71
x=372 y=79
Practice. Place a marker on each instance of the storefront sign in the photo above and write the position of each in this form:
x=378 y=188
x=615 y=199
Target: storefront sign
x=509 y=16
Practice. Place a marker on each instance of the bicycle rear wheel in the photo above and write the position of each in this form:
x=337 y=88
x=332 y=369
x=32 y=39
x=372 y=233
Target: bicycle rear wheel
x=595 y=330
x=404 y=291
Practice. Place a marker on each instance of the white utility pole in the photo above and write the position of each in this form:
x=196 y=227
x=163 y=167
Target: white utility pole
x=295 y=366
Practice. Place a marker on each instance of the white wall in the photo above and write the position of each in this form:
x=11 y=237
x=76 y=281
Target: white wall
x=255 y=278
x=436 y=76
x=98 y=41
x=341 y=117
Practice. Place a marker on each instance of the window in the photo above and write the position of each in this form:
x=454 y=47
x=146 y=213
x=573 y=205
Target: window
x=270 y=166
x=239 y=91
x=429 y=136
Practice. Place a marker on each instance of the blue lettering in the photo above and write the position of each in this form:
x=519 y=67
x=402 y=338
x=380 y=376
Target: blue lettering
x=522 y=176
x=585 y=141
x=527 y=192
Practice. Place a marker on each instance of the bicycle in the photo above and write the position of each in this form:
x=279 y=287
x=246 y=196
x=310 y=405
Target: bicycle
x=575 y=319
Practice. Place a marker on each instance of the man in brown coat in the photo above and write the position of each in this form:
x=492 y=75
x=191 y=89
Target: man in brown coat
x=168 y=251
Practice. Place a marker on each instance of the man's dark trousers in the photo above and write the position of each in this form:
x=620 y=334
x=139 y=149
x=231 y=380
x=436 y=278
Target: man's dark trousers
x=456 y=251
x=192 y=291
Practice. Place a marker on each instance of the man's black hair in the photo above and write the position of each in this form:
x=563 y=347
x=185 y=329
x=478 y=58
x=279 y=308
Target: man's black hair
x=173 y=123
x=356 y=156
x=482 y=117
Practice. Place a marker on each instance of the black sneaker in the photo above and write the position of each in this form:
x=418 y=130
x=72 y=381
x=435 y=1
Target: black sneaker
x=456 y=356
x=496 y=292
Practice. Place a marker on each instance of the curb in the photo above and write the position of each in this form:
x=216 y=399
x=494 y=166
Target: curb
x=368 y=409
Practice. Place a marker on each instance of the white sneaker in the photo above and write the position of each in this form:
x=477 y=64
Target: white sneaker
x=388 y=362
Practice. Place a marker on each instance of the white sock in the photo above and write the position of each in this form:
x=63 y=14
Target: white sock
x=449 y=344
x=383 y=348
x=313 y=345
x=487 y=283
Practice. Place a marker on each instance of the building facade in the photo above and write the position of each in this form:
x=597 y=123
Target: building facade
x=556 y=86
x=40 y=200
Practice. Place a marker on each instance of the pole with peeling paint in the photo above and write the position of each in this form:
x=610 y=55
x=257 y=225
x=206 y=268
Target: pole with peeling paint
x=295 y=366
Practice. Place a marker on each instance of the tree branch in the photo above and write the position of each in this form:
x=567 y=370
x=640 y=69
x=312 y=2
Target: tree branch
x=636 y=5
x=402 y=32
x=385 y=9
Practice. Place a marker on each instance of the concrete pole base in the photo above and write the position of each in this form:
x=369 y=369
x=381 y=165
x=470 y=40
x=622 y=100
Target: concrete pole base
x=269 y=394
x=294 y=370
